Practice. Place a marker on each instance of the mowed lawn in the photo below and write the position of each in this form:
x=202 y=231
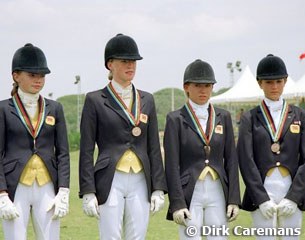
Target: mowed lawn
x=77 y=226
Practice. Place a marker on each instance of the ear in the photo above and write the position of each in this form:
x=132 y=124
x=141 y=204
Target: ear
x=186 y=87
x=259 y=82
x=15 y=76
x=109 y=64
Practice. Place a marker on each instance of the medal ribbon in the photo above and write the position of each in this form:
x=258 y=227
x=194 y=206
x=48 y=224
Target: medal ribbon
x=133 y=118
x=25 y=117
x=205 y=138
x=275 y=133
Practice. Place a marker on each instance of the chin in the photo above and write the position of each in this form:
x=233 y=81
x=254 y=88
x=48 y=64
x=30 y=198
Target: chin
x=202 y=102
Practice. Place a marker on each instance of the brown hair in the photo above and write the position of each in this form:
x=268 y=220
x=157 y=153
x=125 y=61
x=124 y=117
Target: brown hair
x=110 y=75
x=15 y=89
x=15 y=85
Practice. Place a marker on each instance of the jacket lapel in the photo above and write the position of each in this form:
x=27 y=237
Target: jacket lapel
x=47 y=110
x=142 y=100
x=217 y=122
x=112 y=104
x=13 y=109
x=261 y=118
x=187 y=119
x=288 y=122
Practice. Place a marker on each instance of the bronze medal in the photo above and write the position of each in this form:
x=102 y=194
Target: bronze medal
x=136 y=131
x=275 y=147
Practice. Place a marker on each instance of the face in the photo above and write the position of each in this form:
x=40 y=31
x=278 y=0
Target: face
x=123 y=71
x=273 y=89
x=29 y=82
x=199 y=93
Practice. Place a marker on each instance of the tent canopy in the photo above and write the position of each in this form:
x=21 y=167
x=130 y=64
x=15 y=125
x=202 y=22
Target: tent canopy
x=300 y=87
x=246 y=89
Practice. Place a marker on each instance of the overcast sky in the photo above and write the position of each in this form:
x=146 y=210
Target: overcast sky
x=170 y=34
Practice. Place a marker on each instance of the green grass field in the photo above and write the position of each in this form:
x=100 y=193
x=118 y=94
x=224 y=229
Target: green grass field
x=77 y=226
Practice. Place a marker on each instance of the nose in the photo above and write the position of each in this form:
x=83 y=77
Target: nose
x=274 y=84
x=202 y=88
x=130 y=63
x=39 y=79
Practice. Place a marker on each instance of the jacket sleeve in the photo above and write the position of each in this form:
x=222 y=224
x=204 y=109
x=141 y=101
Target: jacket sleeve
x=62 y=149
x=251 y=175
x=172 y=165
x=154 y=153
x=3 y=185
x=297 y=189
x=87 y=144
x=231 y=163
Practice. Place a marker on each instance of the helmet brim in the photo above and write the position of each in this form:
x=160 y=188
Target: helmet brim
x=200 y=81
x=33 y=70
x=275 y=77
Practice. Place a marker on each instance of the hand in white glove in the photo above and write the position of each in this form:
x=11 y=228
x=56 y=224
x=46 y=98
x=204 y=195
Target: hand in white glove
x=286 y=207
x=90 y=205
x=180 y=216
x=60 y=203
x=157 y=201
x=8 y=210
x=232 y=212
x=268 y=209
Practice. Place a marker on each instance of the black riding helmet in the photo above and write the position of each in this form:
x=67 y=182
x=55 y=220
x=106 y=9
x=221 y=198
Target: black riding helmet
x=30 y=59
x=121 y=47
x=199 y=72
x=271 y=68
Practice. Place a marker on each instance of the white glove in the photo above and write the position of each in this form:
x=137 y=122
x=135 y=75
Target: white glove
x=90 y=205
x=286 y=207
x=60 y=203
x=232 y=212
x=8 y=210
x=268 y=209
x=180 y=216
x=157 y=201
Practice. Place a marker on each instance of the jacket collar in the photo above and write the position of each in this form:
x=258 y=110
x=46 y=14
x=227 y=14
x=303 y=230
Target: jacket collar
x=288 y=121
x=112 y=104
x=187 y=119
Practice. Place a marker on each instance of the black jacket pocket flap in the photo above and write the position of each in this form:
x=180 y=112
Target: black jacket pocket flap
x=101 y=163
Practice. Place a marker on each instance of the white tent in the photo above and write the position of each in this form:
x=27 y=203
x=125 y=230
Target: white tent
x=245 y=89
x=290 y=89
x=300 y=87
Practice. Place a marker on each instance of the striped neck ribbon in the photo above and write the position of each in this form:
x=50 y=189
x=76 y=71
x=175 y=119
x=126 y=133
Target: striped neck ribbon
x=25 y=117
x=275 y=133
x=205 y=138
x=134 y=118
